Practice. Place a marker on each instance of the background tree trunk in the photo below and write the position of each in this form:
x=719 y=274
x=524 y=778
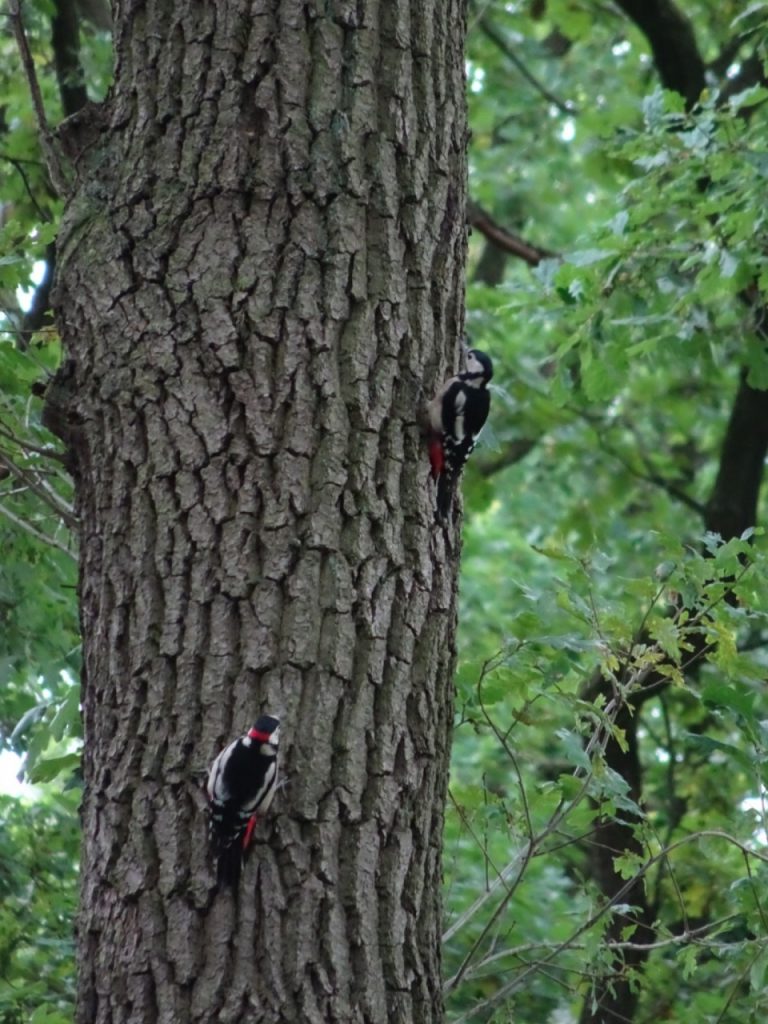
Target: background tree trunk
x=259 y=279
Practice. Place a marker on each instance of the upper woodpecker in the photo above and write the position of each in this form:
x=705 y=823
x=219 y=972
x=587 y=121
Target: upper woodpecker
x=456 y=417
x=241 y=784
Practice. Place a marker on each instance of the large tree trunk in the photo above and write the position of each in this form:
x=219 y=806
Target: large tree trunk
x=260 y=277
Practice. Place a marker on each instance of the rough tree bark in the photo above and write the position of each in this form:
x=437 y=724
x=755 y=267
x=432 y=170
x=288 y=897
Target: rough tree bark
x=259 y=271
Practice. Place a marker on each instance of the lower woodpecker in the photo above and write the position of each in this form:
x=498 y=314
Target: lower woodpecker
x=241 y=784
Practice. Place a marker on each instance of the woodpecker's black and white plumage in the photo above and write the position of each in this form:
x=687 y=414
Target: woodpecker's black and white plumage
x=457 y=414
x=241 y=784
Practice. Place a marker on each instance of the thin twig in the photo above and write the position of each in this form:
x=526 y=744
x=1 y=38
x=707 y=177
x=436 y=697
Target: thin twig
x=695 y=935
x=49 y=453
x=44 y=215
x=465 y=822
x=511 y=755
x=479 y=16
x=597 y=744
x=595 y=747
x=490 y=30
x=568 y=943
x=470 y=912
x=755 y=895
x=650 y=475
x=502 y=906
x=52 y=500
x=736 y=988
x=14 y=9
x=33 y=532
x=670 y=798
x=513 y=453
x=51 y=160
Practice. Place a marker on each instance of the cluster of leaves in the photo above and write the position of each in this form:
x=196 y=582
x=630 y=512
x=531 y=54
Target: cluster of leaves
x=39 y=844
x=530 y=781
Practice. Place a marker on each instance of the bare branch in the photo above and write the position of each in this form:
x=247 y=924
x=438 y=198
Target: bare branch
x=486 y=225
x=58 y=180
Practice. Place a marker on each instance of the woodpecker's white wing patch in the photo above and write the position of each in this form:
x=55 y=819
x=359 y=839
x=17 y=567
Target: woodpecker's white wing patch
x=458 y=424
x=217 y=790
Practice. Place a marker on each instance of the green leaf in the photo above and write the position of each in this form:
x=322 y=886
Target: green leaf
x=748 y=97
x=574 y=749
x=570 y=786
x=687 y=959
x=710 y=745
x=45 y=1015
x=753 y=8
x=723 y=695
x=757 y=971
x=667 y=635
x=46 y=769
x=586 y=257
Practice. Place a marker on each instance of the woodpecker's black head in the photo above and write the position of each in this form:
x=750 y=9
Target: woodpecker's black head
x=479 y=366
x=266 y=730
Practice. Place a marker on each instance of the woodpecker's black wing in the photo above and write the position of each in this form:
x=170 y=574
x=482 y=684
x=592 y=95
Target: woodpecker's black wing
x=469 y=407
x=476 y=412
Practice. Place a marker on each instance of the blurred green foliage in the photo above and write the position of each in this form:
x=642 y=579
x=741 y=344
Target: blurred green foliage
x=617 y=365
x=39 y=843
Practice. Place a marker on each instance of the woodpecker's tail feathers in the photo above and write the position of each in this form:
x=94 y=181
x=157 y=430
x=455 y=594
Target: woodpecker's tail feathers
x=228 y=864
x=446 y=485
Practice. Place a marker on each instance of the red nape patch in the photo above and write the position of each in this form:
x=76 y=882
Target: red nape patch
x=436 y=456
x=262 y=737
x=249 y=832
